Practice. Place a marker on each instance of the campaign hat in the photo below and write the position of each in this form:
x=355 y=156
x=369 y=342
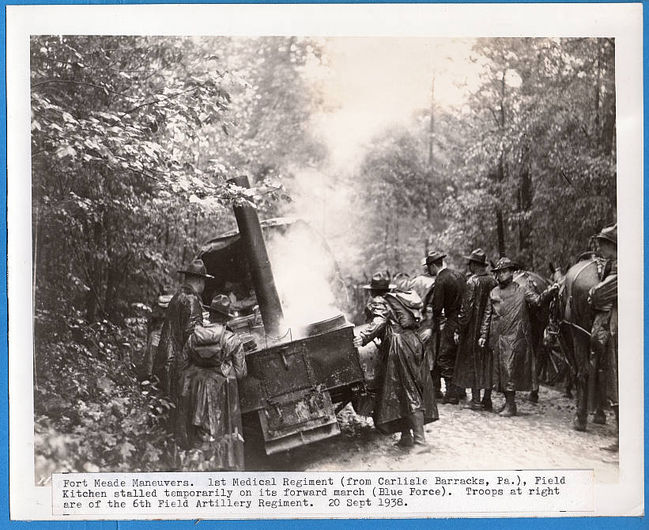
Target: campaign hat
x=434 y=256
x=380 y=282
x=609 y=234
x=504 y=263
x=477 y=256
x=220 y=304
x=197 y=268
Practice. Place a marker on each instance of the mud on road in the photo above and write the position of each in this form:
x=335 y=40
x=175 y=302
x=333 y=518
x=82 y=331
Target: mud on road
x=540 y=437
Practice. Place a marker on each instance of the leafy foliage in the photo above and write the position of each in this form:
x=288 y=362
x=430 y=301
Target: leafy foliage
x=531 y=154
x=133 y=140
x=91 y=412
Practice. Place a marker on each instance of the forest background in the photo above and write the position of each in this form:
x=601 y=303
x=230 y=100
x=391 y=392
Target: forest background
x=134 y=138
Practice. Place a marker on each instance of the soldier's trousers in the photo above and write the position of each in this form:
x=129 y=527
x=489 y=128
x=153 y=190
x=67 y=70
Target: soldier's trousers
x=447 y=351
x=599 y=365
x=610 y=358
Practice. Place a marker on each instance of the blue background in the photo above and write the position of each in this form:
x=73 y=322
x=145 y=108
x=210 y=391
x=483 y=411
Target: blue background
x=590 y=523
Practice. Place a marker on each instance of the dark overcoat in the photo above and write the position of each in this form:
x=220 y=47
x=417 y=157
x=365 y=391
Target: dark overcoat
x=507 y=326
x=184 y=313
x=473 y=365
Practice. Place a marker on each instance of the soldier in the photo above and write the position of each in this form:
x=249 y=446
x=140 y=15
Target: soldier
x=405 y=399
x=603 y=299
x=422 y=283
x=506 y=325
x=473 y=366
x=538 y=319
x=184 y=313
x=209 y=415
x=445 y=298
x=154 y=329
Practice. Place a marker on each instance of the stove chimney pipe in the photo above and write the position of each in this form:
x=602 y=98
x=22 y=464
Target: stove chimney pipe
x=258 y=262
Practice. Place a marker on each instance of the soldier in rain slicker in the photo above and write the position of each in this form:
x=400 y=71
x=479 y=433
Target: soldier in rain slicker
x=209 y=415
x=603 y=299
x=184 y=313
x=405 y=400
x=473 y=366
x=506 y=327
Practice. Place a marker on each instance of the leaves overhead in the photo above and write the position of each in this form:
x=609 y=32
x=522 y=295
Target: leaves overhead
x=526 y=168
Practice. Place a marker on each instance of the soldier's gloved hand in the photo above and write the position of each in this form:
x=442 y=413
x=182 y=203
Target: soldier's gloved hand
x=482 y=342
x=456 y=337
x=358 y=342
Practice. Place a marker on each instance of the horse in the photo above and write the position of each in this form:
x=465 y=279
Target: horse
x=574 y=316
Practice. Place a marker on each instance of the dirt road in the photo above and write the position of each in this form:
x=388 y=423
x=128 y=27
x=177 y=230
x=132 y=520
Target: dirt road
x=540 y=437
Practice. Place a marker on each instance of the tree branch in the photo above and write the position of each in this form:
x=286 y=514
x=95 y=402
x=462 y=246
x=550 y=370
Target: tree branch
x=71 y=82
x=155 y=101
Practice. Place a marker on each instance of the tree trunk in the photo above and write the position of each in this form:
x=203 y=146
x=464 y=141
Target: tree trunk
x=500 y=224
x=525 y=194
x=397 y=250
x=500 y=173
x=500 y=228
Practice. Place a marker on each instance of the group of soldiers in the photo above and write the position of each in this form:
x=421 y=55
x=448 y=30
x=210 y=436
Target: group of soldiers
x=198 y=364
x=474 y=332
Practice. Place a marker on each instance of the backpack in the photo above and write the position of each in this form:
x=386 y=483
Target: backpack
x=205 y=345
x=411 y=302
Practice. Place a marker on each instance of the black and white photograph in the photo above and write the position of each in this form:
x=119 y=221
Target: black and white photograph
x=294 y=253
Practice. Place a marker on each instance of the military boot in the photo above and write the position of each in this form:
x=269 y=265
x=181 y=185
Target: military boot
x=533 y=396
x=599 y=417
x=580 y=421
x=417 y=424
x=475 y=404
x=486 y=401
x=406 y=439
x=510 y=405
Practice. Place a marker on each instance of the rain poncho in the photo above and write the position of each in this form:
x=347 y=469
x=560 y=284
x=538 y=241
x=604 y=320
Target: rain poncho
x=506 y=324
x=603 y=298
x=404 y=379
x=473 y=365
x=208 y=404
x=184 y=313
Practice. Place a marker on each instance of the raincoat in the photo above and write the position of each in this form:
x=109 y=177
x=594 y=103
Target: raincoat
x=405 y=385
x=184 y=313
x=208 y=396
x=603 y=298
x=473 y=365
x=539 y=318
x=506 y=325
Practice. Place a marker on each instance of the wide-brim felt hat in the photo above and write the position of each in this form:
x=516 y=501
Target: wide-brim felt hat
x=197 y=268
x=477 y=256
x=504 y=264
x=608 y=234
x=434 y=256
x=380 y=281
x=220 y=304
